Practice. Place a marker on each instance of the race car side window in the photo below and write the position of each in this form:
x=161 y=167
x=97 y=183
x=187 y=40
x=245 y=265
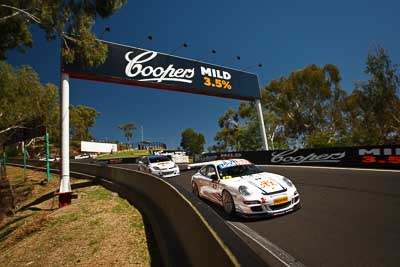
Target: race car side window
x=211 y=173
x=203 y=171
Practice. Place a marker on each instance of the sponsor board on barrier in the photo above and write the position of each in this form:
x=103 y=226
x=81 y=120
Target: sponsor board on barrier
x=383 y=155
x=367 y=157
x=290 y=157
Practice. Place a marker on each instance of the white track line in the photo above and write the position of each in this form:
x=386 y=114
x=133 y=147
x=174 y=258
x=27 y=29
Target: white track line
x=332 y=168
x=280 y=254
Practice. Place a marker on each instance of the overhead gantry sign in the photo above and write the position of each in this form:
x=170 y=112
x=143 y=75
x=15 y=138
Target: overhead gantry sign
x=145 y=68
x=139 y=67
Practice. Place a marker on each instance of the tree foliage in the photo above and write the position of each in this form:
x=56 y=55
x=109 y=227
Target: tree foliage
x=24 y=100
x=309 y=108
x=82 y=118
x=128 y=129
x=70 y=20
x=192 y=142
x=306 y=104
x=374 y=105
x=296 y=110
x=251 y=137
x=227 y=137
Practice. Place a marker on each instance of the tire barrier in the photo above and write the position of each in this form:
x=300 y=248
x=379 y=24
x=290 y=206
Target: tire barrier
x=182 y=235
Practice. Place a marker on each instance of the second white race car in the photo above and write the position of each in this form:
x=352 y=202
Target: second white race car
x=243 y=188
x=159 y=165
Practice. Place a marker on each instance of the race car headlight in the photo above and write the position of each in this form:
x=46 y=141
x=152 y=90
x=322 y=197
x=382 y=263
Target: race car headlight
x=288 y=182
x=244 y=191
x=156 y=168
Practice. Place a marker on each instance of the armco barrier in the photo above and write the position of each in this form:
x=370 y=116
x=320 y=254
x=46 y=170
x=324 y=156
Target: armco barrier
x=182 y=235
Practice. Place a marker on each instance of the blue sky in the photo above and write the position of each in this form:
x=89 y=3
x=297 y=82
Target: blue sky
x=283 y=35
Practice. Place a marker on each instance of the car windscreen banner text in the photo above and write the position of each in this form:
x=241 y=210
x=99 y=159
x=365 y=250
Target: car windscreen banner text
x=140 y=67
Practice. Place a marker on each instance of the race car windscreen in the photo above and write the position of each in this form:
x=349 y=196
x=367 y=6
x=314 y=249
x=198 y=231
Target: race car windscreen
x=237 y=171
x=159 y=159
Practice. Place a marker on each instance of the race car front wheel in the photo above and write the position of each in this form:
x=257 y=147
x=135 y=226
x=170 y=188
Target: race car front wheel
x=227 y=202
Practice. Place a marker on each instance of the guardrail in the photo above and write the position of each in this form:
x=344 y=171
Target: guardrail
x=183 y=236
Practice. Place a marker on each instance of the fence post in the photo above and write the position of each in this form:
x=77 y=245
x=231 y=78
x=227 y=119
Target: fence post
x=24 y=147
x=47 y=157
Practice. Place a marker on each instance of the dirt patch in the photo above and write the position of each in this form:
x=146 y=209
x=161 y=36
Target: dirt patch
x=98 y=229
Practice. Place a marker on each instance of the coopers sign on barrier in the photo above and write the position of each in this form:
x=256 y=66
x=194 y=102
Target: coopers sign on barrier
x=135 y=66
x=387 y=157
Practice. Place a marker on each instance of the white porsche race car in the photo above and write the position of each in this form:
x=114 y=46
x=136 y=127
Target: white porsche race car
x=159 y=165
x=243 y=188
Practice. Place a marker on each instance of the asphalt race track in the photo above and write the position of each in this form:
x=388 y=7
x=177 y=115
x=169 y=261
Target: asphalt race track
x=348 y=217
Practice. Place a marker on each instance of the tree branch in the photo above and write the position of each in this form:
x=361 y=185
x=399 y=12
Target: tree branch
x=66 y=36
x=33 y=17
x=290 y=115
x=396 y=119
x=10 y=16
x=11 y=128
x=30 y=142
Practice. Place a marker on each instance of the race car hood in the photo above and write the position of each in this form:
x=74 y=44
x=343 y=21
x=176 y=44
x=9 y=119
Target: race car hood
x=265 y=182
x=163 y=165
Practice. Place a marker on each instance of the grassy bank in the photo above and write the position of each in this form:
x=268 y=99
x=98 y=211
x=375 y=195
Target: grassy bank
x=98 y=229
x=124 y=154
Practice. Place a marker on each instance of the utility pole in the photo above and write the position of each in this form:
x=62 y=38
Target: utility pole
x=65 y=186
x=262 y=126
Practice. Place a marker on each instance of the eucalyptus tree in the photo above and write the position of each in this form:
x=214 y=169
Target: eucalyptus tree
x=374 y=105
x=70 y=21
x=25 y=100
x=128 y=129
x=192 y=142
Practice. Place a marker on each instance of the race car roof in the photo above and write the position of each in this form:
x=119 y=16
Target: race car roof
x=224 y=162
x=157 y=156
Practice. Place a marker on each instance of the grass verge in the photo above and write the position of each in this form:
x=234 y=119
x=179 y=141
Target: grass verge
x=124 y=154
x=98 y=229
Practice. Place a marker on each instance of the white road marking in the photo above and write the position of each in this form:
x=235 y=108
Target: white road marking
x=280 y=254
x=332 y=168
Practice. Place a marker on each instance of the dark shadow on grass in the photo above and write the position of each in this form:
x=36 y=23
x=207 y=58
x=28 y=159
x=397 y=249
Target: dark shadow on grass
x=42 y=182
x=37 y=201
x=82 y=185
x=6 y=233
x=13 y=221
x=52 y=195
